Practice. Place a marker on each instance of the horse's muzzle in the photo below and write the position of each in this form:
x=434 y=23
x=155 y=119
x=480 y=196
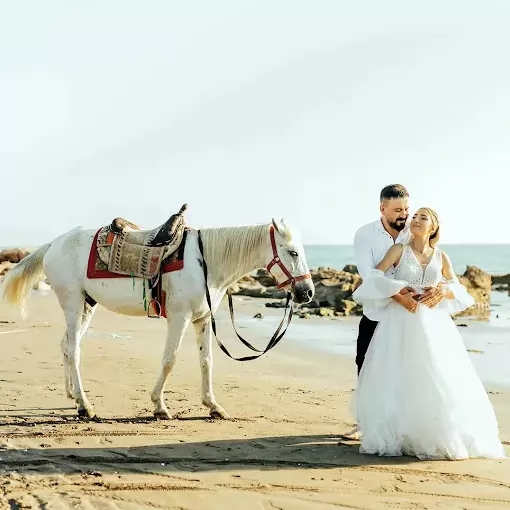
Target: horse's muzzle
x=303 y=291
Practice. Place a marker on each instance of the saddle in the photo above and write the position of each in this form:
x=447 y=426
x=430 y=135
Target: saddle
x=124 y=249
x=118 y=225
x=165 y=233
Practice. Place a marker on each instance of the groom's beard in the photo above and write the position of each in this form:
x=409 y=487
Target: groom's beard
x=398 y=225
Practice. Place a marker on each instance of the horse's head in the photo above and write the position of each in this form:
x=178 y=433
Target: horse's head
x=287 y=262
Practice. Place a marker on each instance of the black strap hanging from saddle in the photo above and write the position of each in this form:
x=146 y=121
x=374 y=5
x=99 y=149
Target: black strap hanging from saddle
x=277 y=336
x=155 y=283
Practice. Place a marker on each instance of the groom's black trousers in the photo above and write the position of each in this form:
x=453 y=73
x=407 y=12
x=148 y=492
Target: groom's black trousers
x=366 y=331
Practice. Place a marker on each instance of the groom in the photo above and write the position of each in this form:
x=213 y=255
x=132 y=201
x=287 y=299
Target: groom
x=371 y=242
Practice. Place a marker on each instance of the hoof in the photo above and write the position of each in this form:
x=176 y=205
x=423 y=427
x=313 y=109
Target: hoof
x=162 y=415
x=83 y=413
x=219 y=415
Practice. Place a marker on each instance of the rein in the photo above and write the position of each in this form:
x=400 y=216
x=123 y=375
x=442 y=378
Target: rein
x=277 y=336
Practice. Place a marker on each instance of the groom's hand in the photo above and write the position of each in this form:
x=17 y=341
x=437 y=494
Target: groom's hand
x=408 y=301
x=432 y=296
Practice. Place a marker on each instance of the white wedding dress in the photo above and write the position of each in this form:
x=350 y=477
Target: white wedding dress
x=418 y=392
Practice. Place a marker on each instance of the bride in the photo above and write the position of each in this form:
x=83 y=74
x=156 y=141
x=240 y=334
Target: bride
x=418 y=392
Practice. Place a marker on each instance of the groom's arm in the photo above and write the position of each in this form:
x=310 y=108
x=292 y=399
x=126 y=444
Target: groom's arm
x=364 y=258
x=363 y=255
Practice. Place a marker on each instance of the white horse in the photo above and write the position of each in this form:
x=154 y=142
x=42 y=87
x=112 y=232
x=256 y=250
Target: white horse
x=229 y=252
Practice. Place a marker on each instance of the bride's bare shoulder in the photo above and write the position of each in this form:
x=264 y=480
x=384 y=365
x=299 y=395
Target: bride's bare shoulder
x=445 y=258
x=447 y=265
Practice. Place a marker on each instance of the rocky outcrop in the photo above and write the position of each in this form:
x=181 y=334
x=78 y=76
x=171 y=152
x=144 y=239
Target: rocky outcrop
x=5 y=266
x=333 y=293
x=351 y=268
x=10 y=257
x=478 y=284
x=334 y=288
x=501 y=279
x=501 y=283
x=262 y=285
x=13 y=255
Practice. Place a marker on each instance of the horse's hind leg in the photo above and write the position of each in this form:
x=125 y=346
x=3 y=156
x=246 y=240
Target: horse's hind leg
x=73 y=306
x=88 y=312
x=176 y=326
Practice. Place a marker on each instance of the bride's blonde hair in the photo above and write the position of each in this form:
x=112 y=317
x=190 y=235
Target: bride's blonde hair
x=434 y=237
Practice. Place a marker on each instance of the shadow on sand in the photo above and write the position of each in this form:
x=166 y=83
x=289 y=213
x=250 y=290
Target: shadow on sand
x=268 y=453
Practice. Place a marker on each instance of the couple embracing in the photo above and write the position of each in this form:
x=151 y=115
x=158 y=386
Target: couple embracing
x=418 y=392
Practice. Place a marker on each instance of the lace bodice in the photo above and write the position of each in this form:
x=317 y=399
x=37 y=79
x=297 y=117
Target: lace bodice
x=418 y=276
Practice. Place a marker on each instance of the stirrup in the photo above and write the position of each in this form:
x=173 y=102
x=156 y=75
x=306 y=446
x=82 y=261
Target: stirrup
x=158 y=308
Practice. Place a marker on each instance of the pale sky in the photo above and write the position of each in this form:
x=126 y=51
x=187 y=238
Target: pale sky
x=252 y=109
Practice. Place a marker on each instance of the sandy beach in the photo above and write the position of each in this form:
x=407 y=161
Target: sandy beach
x=280 y=450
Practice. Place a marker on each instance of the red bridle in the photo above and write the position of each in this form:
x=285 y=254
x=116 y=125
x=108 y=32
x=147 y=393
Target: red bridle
x=276 y=261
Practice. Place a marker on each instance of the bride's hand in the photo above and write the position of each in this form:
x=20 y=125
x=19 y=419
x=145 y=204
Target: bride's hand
x=432 y=296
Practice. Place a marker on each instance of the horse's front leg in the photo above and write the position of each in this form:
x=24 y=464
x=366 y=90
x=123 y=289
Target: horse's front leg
x=68 y=383
x=204 y=339
x=176 y=327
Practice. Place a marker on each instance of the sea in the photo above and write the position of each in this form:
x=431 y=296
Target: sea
x=487 y=339
x=492 y=258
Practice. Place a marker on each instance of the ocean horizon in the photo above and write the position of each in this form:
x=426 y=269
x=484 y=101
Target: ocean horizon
x=492 y=258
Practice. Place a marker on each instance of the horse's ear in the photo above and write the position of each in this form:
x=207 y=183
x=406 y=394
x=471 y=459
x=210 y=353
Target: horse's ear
x=279 y=227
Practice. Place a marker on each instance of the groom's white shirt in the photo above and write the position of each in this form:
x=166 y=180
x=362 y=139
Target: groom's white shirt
x=371 y=242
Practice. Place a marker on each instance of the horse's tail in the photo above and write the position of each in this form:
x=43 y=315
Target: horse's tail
x=19 y=281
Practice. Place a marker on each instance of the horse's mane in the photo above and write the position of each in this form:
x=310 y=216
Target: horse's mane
x=229 y=249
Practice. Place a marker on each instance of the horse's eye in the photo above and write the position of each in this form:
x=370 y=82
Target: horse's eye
x=293 y=253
